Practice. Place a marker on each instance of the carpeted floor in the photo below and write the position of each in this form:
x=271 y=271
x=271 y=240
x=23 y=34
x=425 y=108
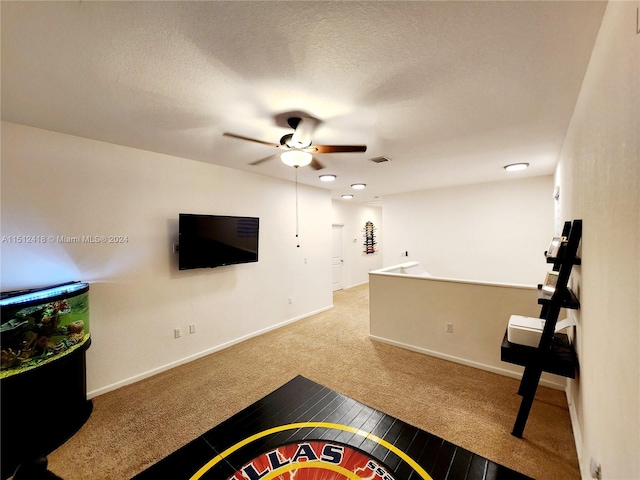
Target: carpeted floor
x=137 y=425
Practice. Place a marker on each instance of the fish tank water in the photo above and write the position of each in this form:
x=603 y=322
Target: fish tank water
x=39 y=326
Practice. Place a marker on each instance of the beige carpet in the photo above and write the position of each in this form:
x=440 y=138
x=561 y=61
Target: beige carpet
x=137 y=425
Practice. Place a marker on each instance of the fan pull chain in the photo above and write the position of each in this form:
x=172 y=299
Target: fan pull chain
x=297 y=236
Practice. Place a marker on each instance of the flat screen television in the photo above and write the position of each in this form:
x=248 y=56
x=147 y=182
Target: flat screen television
x=209 y=241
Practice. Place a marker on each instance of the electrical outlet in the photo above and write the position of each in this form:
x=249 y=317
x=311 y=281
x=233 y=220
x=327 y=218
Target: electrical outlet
x=290 y=300
x=192 y=328
x=449 y=327
x=177 y=333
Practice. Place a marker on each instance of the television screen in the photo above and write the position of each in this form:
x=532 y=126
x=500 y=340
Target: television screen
x=208 y=241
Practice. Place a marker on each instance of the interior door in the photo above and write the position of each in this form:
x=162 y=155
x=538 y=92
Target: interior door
x=337 y=261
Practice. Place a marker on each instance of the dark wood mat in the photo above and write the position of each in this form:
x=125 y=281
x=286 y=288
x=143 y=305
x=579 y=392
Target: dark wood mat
x=304 y=431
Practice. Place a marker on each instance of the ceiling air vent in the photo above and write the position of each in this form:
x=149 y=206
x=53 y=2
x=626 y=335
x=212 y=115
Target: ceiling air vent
x=380 y=159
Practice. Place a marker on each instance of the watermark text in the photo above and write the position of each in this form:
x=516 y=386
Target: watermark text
x=65 y=239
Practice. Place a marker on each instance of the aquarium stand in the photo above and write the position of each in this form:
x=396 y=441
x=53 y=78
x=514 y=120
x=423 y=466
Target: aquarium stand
x=42 y=408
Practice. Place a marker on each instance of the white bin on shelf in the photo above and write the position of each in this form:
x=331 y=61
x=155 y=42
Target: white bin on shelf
x=525 y=330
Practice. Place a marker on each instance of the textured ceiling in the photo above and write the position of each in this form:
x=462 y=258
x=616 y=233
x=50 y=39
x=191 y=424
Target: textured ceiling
x=449 y=91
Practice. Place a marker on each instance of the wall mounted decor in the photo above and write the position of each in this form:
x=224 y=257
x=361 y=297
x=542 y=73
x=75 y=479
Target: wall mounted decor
x=369 y=238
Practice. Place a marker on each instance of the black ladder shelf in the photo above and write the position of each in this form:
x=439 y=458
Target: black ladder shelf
x=554 y=354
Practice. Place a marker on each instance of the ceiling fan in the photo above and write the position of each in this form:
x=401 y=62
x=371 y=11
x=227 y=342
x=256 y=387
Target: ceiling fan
x=297 y=146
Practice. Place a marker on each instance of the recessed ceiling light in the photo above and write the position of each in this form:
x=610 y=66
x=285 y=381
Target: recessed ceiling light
x=347 y=197
x=328 y=178
x=514 y=167
x=358 y=186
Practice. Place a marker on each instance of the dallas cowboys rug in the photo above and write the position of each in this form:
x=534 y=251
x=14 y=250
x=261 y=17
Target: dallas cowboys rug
x=304 y=431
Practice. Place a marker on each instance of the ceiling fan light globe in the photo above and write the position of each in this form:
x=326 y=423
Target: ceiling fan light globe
x=296 y=158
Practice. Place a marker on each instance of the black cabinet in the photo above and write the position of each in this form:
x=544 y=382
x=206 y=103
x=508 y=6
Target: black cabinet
x=42 y=408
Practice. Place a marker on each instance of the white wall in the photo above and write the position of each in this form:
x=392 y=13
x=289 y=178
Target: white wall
x=413 y=312
x=599 y=179
x=54 y=184
x=352 y=217
x=493 y=232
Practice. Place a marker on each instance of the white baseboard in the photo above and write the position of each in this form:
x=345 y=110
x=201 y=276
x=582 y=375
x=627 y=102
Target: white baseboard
x=464 y=361
x=356 y=285
x=195 y=356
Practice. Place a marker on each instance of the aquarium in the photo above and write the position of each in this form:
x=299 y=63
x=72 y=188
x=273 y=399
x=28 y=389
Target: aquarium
x=42 y=325
x=43 y=396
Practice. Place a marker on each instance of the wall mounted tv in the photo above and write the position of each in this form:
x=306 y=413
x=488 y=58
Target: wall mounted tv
x=208 y=241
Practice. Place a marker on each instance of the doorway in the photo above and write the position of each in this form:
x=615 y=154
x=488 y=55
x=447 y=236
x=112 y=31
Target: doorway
x=337 y=262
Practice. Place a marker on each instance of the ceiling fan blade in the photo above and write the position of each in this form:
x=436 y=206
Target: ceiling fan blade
x=233 y=135
x=339 y=148
x=270 y=157
x=316 y=165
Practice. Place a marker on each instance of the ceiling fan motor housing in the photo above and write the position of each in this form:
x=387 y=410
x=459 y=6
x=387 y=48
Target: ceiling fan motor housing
x=285 y=141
